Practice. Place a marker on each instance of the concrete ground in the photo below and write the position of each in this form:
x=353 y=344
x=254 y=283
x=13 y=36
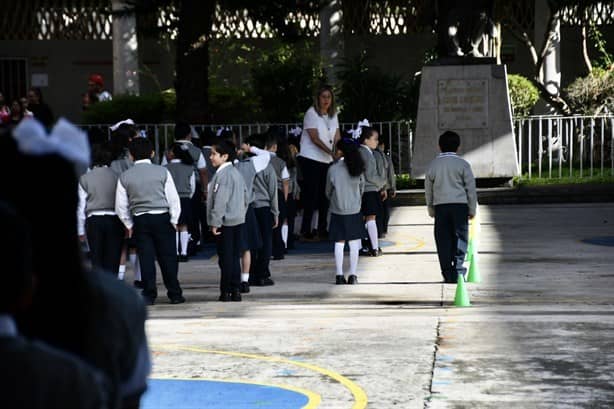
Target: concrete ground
x=539 y=333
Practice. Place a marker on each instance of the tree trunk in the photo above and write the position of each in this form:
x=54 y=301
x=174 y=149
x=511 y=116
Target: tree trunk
x=587 y=59
x=192 y=65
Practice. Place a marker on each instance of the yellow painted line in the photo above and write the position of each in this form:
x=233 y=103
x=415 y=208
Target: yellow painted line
x=314 y=399
x=360 y=397
x=400 y=237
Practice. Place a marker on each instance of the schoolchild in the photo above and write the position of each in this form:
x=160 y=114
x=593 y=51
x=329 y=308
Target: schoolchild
x=266 y=208
x=183 y=135
x=97 y=221
x=391 y=184
x=374 y=194
x=121 y=134
x=345 y=184
x=249 y=166
x=294 y=194
x=147 y=203
x=451 y=198
x=226 y=206
x=180 y=165
x=283 y=189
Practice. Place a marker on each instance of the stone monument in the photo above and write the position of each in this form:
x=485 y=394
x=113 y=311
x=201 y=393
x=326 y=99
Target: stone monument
x=466 y=91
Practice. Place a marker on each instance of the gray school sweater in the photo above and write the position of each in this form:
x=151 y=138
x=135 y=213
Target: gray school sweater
x=265 y=190
x=343 y=190
x=449 y=179
x=391 y=178
x=278 y=165
x=227 y=199
x=99 y=184
x=375 y=178
x=248 y=171
x=144 y=184
x=181 y=174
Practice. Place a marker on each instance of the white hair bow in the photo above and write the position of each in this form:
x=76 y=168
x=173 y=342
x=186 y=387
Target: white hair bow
x=222 y=129
x=120 y=123
x=355 y=132
x=364 y=122
x=194 y=133
x=65 y=140
x=296 y=131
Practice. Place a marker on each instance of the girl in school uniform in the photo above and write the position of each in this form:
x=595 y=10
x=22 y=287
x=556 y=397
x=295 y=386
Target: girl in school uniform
x=181 y=166
x=375 y=180
x=345 y=184
x=227 y=201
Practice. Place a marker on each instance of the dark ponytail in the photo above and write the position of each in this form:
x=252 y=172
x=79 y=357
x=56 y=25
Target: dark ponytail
x=351 y=156
x=365 y=133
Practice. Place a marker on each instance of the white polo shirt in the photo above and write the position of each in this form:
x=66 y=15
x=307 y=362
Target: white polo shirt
x=327 y=127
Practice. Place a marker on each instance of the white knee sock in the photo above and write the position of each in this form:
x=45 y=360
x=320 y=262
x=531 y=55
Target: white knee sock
x=177 y=242
x=339 y=258
x=136 y=266
x=314 y=220
x=372 y=230
x=284 y=234
x=184 y=237
x=354 y=247
x=122 y=272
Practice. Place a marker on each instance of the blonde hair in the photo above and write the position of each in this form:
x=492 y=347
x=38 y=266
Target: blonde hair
x=316 y=99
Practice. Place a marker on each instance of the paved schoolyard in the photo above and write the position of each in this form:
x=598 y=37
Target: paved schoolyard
x=539 y=333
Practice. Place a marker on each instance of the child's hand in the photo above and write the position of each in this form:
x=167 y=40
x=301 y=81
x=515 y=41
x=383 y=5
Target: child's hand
x=245 y=147
x=215 y=232
x=384 y=195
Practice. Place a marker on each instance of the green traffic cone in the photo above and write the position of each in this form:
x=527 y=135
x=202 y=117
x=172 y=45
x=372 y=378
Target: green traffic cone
x=461 y=298
x=470 y=250
x=473 y=276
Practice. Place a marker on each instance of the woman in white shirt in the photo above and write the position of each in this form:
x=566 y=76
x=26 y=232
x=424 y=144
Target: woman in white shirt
x=320 y=133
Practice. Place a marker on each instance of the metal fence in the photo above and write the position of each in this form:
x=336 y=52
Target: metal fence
x=398 y=135
x=546 y=146
x=556 y=146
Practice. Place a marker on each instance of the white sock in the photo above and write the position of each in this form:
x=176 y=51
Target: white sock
x=184 y=237
x=122 y=272
x=314 y=220
x=339 y=258
x=354 y=247
x=372 y=230
x=284 y=234
x=177 y=242
x=244 y=277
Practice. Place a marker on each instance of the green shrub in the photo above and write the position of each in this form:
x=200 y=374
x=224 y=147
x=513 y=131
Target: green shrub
x=233 y=105
x=151 y=108
x=523 y=95
x=593 y=94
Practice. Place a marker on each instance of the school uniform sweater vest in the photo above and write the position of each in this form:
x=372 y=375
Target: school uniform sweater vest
x=181 y=174
x=374 y=181
x=99 y=184
x=278 y=165
x=265 y=189
x=144 y=184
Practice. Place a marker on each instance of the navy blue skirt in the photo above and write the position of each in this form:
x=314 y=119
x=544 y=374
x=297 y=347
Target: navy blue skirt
x=371 y=204
x=346 y=227
x=185 y=217
x=251 y=231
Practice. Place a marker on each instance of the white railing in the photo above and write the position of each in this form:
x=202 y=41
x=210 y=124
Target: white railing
x=546 y=146
x=556 y=146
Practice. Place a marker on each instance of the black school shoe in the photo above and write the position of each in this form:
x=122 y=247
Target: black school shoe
x=263 y=282
x=235 y=296
x=244 y=288
x=352 y=279
x=224 y=297
x=182 y=258
x=139 y=284
x=339 y=279
x=364 y=252
x=178 y=300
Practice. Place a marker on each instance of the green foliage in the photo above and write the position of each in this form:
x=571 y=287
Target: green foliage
x=605 y=59
x=592 y=94
x=233 y=104
x=367 y=92
x=283 y=82
x=523 y=94
x=404 y=181
x=151 y=108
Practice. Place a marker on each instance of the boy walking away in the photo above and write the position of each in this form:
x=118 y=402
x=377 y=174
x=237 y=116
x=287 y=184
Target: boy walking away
x=451 y=198
x=147 y=202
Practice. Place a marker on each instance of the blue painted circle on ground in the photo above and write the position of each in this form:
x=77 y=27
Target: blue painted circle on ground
x=198 y=394
x=600 y=241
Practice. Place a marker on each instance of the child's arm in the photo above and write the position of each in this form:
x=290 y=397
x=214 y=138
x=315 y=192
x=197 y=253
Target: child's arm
x=172 y=197
x=272 y=188
x=81 y=213
x=472 y=196
x=428 y=193
x=285 y=182
x=328 y=189
x=122 y=207
x=218 y=197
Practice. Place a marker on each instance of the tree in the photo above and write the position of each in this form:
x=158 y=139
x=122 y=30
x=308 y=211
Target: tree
x=522 y=32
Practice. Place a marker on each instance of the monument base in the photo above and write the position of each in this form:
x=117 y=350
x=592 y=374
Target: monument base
x=473 y=101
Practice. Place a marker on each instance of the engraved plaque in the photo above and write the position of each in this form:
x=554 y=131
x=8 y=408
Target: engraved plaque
x=462 y=104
